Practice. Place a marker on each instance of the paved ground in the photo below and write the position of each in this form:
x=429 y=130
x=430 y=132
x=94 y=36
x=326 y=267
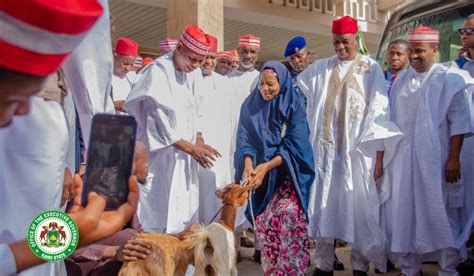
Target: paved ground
x=249 y=268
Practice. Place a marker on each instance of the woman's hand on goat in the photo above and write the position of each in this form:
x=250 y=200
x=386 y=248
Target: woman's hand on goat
x=257 y=176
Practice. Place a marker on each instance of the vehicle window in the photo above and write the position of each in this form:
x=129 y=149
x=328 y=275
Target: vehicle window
x=446 y=22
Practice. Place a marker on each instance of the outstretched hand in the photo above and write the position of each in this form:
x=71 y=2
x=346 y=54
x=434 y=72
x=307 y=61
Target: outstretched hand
x=93 y=221
x=204 y=155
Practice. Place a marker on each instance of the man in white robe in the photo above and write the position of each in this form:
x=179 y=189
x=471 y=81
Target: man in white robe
x=214 y=127
x=125 y=55
x=164 y=105
x=88 y=74
x=466 y=62
x=224 y=63
x=243 y=81
x=33 y=147
x=37 y=146
x=425 y=213
x=245 y=78
x=348 y=116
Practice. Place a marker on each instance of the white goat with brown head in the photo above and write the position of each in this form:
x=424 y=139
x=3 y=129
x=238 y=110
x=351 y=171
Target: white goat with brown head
x=211 y=248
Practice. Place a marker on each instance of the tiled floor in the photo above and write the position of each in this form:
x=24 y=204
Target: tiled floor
x=249 y=268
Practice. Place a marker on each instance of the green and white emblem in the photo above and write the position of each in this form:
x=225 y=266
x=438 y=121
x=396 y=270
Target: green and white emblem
x=53 y=236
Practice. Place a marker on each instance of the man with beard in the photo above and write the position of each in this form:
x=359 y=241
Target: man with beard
x=396 y=58
x=214 y=128
x=348 y=117
x=164 y=105
x=245 y=77
x=425 y=211
x=243 y=80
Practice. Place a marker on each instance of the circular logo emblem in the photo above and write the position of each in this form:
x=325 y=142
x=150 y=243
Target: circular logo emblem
x=53 y=235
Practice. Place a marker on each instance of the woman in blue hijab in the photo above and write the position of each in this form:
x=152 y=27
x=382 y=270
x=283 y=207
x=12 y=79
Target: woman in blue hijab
x=274 y=155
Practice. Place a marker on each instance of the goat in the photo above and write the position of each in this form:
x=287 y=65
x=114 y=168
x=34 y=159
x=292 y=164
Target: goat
x=211 y=248
x=215 y=246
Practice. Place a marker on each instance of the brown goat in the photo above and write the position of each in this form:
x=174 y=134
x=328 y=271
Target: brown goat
x=211 y=248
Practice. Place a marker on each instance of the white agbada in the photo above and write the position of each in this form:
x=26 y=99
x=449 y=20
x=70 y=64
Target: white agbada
x=424 y=213
x=121 y=87
x=348 y=116
x=33 y=157
x=164 y=106
x=88 y=73
x=243 y=83
x=467 y=152
x=214 y=94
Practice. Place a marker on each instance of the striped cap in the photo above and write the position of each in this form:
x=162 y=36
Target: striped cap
x=37 y=35
x=168 y=44
x=423 y=35
x=235 y=54
x=225 y=55
x=195 y=40
x=249 y=40
x=138 y=63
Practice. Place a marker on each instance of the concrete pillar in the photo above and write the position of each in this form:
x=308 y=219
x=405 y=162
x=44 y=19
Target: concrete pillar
x=207 y=14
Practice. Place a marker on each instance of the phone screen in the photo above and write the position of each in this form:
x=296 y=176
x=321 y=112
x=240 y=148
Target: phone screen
x=110 y=158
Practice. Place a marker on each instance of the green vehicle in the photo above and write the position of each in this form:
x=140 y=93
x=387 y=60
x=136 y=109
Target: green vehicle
x=445 y=16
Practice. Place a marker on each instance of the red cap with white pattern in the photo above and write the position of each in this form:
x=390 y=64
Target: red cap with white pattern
x=195 y=40
x=249 y=40
x=37 y=35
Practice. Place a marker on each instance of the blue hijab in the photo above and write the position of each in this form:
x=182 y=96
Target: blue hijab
x=276 y=127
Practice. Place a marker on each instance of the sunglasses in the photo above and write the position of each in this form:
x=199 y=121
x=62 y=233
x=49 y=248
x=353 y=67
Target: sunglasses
x=468 y=31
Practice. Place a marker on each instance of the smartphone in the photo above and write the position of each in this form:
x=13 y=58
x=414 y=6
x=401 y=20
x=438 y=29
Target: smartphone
x=110 y=158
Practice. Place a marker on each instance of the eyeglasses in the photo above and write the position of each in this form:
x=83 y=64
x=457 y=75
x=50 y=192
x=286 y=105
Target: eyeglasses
x=468 y=31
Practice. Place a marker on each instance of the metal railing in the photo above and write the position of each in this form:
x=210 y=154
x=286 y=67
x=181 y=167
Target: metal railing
x=363 y=10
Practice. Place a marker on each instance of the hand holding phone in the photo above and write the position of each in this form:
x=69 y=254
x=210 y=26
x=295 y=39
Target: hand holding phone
x=110 y=158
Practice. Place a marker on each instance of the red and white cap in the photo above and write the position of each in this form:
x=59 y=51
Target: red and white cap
x=235 y=54
x=249 y=40
x=423 y=35
x=168 y=44
x=212 y=44
x=195 y=40
x=225 y=55
x=138 y=64
x=126 y=46
x=37 y=35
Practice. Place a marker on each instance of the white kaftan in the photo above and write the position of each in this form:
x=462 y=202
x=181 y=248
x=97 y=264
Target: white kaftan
x=348 y=116
x=33 y=158
x=214 y=95
x=163 y=103
x=467 y=152
x=424 y=212
x=243 y=83
x=88 y=73
x=121 y=87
